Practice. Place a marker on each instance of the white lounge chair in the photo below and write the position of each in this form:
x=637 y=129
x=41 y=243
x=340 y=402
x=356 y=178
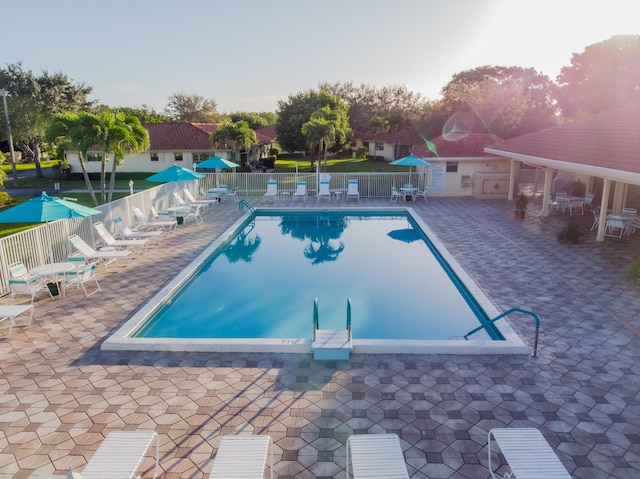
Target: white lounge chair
x=155 y=225
x=528 y=454
x=87 y=274
x=323 y=190
x=127 y=233
x=109 y=240
x=242 y=457
x=121 y=454
x=272 y=189
x=352 y=190
x=194 y=201
x=375 y=456
x=9 y=313
x=105 y=256
x=301 y=190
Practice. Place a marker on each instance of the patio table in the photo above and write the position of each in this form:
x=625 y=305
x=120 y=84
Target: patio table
x=52 y=271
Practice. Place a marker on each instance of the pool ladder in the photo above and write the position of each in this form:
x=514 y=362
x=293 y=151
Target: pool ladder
x=245 y=204
x=329 y=344
x=512 y=310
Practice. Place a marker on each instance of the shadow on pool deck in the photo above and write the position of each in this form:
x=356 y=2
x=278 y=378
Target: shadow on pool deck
x=61 y=394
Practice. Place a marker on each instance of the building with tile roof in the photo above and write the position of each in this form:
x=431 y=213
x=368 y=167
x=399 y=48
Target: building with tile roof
x=184 y=144
x=602 y=150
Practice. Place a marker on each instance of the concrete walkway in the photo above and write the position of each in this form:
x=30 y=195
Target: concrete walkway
x=60 y=395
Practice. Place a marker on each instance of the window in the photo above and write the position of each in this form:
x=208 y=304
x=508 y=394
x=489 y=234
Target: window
x=379 y=146
x=198 y=157
x=452 y=166
x=154 y=157
x=94 y=156
x=177 y=156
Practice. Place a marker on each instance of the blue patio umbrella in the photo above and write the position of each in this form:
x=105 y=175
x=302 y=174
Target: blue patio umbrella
x=175 y=173
x=45 y=208
x=216 y=162
x=410 y=160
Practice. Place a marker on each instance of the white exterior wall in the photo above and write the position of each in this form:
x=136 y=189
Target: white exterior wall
x=466 y=167
x=141 y=162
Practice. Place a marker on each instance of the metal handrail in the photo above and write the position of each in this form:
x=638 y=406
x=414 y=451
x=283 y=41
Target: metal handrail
x=245 y=204
x=519 y=310
x=349 y=317
x=316 y=324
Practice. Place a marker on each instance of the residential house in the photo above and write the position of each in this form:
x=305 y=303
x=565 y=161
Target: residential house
x=184 y=144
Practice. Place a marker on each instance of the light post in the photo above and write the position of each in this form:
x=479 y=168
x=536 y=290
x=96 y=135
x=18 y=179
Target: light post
x=4 y=94
x=131 y=187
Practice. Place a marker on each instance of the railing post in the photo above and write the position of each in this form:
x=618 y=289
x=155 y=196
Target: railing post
x=315 y=317
x=349 y=316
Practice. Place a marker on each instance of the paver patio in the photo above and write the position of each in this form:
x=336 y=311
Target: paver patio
x=60 y=395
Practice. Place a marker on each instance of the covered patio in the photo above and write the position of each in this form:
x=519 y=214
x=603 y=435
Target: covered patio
x=603 y=147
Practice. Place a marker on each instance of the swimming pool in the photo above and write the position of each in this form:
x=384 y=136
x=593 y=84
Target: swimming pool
x=261 y=278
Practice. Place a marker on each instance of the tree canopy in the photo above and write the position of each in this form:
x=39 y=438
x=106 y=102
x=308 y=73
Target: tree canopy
x=256 y=120
x=605 y=76
x=239 y=134
x=503 y=101
x=298 y=110
x=33 y=100
x=192 y=108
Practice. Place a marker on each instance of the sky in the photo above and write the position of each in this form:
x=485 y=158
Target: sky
x=247 y=55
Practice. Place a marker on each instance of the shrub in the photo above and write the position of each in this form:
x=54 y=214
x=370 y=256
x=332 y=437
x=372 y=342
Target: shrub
x=569 y=233
x=633 y=271
x=5 y=199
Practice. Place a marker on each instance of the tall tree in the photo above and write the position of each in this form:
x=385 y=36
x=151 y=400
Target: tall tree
x=293 y=113
x=239 y=134
x=192 y=108
x=79 y=131
x=504 y=101
x=144 y=113
x=605 y=76
x=34 y=100
x=118 y=134
x=326 y=128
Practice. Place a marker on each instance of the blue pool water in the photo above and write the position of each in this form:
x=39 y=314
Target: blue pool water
x=263 y=281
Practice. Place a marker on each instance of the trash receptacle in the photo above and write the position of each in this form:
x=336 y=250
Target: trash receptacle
x=54 y=288
x=179 y=220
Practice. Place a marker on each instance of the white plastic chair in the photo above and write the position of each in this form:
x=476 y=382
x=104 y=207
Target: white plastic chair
x=87 y=274
x=421 y=194
x=233 y=193
x=301 y=190
x=352 y=190
x=395 y=194
x=576 y=207
x=323 y=191
x=272 y=189
x=596 y=218
x=195 y=213
x=614 y=227
x=27 y=286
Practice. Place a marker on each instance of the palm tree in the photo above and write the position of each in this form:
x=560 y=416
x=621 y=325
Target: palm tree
x=120 y=133
x=239 y=133
x=326 y=128
x=78 y=130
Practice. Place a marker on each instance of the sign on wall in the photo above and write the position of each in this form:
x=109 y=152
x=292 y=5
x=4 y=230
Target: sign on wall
x=436 y=178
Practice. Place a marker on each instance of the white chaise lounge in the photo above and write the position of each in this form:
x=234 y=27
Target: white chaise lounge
x=528 y=454
x=242 y=457
x=120 y=455
x=375 y=456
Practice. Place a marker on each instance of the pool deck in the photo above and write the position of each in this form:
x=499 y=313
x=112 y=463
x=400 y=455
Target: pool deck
x=60 y=394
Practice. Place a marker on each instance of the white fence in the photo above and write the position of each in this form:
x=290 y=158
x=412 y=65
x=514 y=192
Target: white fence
x=48 y=242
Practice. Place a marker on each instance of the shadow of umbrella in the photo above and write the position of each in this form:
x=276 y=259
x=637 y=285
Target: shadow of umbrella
x=408 y=235
x=323 y=234
x=44 y=209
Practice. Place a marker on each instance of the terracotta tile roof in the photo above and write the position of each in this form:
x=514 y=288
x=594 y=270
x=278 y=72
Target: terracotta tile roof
x=192 y=136
x=266 y=135
x=470 y=146
x=178 y=137
x=610 y=140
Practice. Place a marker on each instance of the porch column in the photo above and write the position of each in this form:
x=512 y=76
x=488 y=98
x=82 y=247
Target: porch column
x=606 y=187
x=514 y=174
x=548 y=180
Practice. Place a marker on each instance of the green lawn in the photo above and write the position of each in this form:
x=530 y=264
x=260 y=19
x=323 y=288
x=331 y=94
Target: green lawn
x=336 y=165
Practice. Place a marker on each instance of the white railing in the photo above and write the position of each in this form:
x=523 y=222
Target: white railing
x=48 y=242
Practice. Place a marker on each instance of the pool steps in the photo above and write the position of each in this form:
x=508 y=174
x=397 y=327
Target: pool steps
x=331 y=344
